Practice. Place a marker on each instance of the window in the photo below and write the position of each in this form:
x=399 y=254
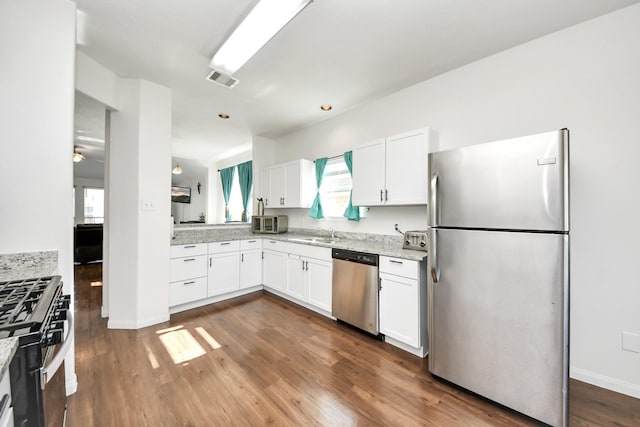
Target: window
x=235 y=201
x=335 y=188
x=93 y=205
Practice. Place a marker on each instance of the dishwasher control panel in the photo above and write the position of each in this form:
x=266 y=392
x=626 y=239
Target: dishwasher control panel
x=416 y=240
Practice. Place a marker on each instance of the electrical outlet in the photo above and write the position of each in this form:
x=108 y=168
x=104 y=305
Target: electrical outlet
x=631 y=342
x=147 y=205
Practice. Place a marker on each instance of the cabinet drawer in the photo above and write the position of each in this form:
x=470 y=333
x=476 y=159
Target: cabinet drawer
x=275 y=245
x=226 y=246
x=309 y=251
x=188 y=268
x=399 y=267
x=250 y=244
x=180 y=251
x=187 y=290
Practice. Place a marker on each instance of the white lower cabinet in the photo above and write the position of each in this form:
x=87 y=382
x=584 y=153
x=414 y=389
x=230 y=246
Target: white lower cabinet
x=250 y=263
x=224 y=273
x=308 y=278
x=403 y=309
x=187 y=291
x=274 y=269
x=399 y=309
x=296 y=277
x=320 y=276
x=188 y=274
x=250 y=268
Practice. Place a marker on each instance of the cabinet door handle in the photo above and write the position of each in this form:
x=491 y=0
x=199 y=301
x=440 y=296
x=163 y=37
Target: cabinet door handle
x=262 y=254
x=306 y=265
x=189 y=259
x=225 y=243
x=210 y=261
x=302 y=265
x=241 y=257
x=190 y=246
x=385 y=195
x=252 y=241
x=393 y=261
x=380 y=195
x=192 y=282
x=266 y=202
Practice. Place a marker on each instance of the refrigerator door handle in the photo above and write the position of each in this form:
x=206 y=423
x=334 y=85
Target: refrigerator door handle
x=435 y=269
x=435 y=218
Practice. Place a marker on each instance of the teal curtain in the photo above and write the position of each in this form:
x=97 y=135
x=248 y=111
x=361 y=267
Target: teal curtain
x=245 y=177
x=226 y=176
x=316 y=208
x=352 y=213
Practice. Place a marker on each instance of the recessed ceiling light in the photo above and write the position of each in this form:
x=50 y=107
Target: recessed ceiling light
x=223 y=116
x=325 y=107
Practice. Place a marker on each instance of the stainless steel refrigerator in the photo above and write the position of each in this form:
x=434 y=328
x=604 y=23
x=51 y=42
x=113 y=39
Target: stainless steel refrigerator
x=499 y=271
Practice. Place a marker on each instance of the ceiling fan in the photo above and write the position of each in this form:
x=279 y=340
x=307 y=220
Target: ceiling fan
x=78 y=155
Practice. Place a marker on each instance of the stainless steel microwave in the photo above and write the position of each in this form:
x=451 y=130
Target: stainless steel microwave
x=269 y=224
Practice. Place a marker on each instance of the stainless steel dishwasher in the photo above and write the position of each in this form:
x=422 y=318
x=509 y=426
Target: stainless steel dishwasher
x=355 y=289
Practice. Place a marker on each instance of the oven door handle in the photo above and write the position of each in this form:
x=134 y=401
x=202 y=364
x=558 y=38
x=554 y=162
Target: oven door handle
x=49 y=370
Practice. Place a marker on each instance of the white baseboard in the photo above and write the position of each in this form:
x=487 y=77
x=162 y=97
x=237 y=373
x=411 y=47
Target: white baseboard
x=136 y=324
x=420 y=352
x=610 y=383
x=71 y=384
x=298 y=302
x=211 y=300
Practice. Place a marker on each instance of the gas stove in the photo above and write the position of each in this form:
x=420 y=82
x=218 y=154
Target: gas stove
x=33 y=310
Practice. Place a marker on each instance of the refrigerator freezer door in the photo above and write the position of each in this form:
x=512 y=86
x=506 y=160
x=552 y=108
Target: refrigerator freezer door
x=497 y=317
x=517 y=184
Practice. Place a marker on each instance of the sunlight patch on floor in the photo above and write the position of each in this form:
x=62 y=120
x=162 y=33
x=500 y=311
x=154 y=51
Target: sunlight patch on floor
x=181 y=346
x=208 y=338
x=152 y=358
x=173 y=328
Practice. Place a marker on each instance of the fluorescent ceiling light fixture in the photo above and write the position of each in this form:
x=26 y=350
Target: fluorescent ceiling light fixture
x=263 y=22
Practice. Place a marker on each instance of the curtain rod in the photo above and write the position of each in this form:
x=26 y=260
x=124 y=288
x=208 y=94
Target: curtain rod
x=333 y=157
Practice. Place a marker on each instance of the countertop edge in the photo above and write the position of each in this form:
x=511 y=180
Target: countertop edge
x=8 y=347
x=347 y=244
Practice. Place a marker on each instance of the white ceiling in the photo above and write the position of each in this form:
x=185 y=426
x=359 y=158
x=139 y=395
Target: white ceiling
x=341 y=52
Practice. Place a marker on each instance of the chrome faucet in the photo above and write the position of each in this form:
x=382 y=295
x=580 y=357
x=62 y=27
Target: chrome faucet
x=330 y=230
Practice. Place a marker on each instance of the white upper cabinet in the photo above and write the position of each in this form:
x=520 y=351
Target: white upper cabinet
x=265 y=187
x=368 y=174
x=289 y=185
x=393 y=171
x=277 y=179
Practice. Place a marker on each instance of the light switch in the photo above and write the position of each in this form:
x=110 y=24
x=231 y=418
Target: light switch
x=631 y=342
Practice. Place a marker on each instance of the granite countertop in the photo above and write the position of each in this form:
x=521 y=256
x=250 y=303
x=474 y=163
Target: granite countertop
x=26 y=265
x=361 y=242
x=8 y=347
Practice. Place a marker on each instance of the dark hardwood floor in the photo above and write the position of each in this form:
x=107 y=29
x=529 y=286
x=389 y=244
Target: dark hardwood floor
x=259 y=360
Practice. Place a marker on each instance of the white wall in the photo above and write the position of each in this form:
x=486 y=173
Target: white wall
x=36 y=124
x=139 y=160
x=193 y=172
x=585 y=78
x=96 y=81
